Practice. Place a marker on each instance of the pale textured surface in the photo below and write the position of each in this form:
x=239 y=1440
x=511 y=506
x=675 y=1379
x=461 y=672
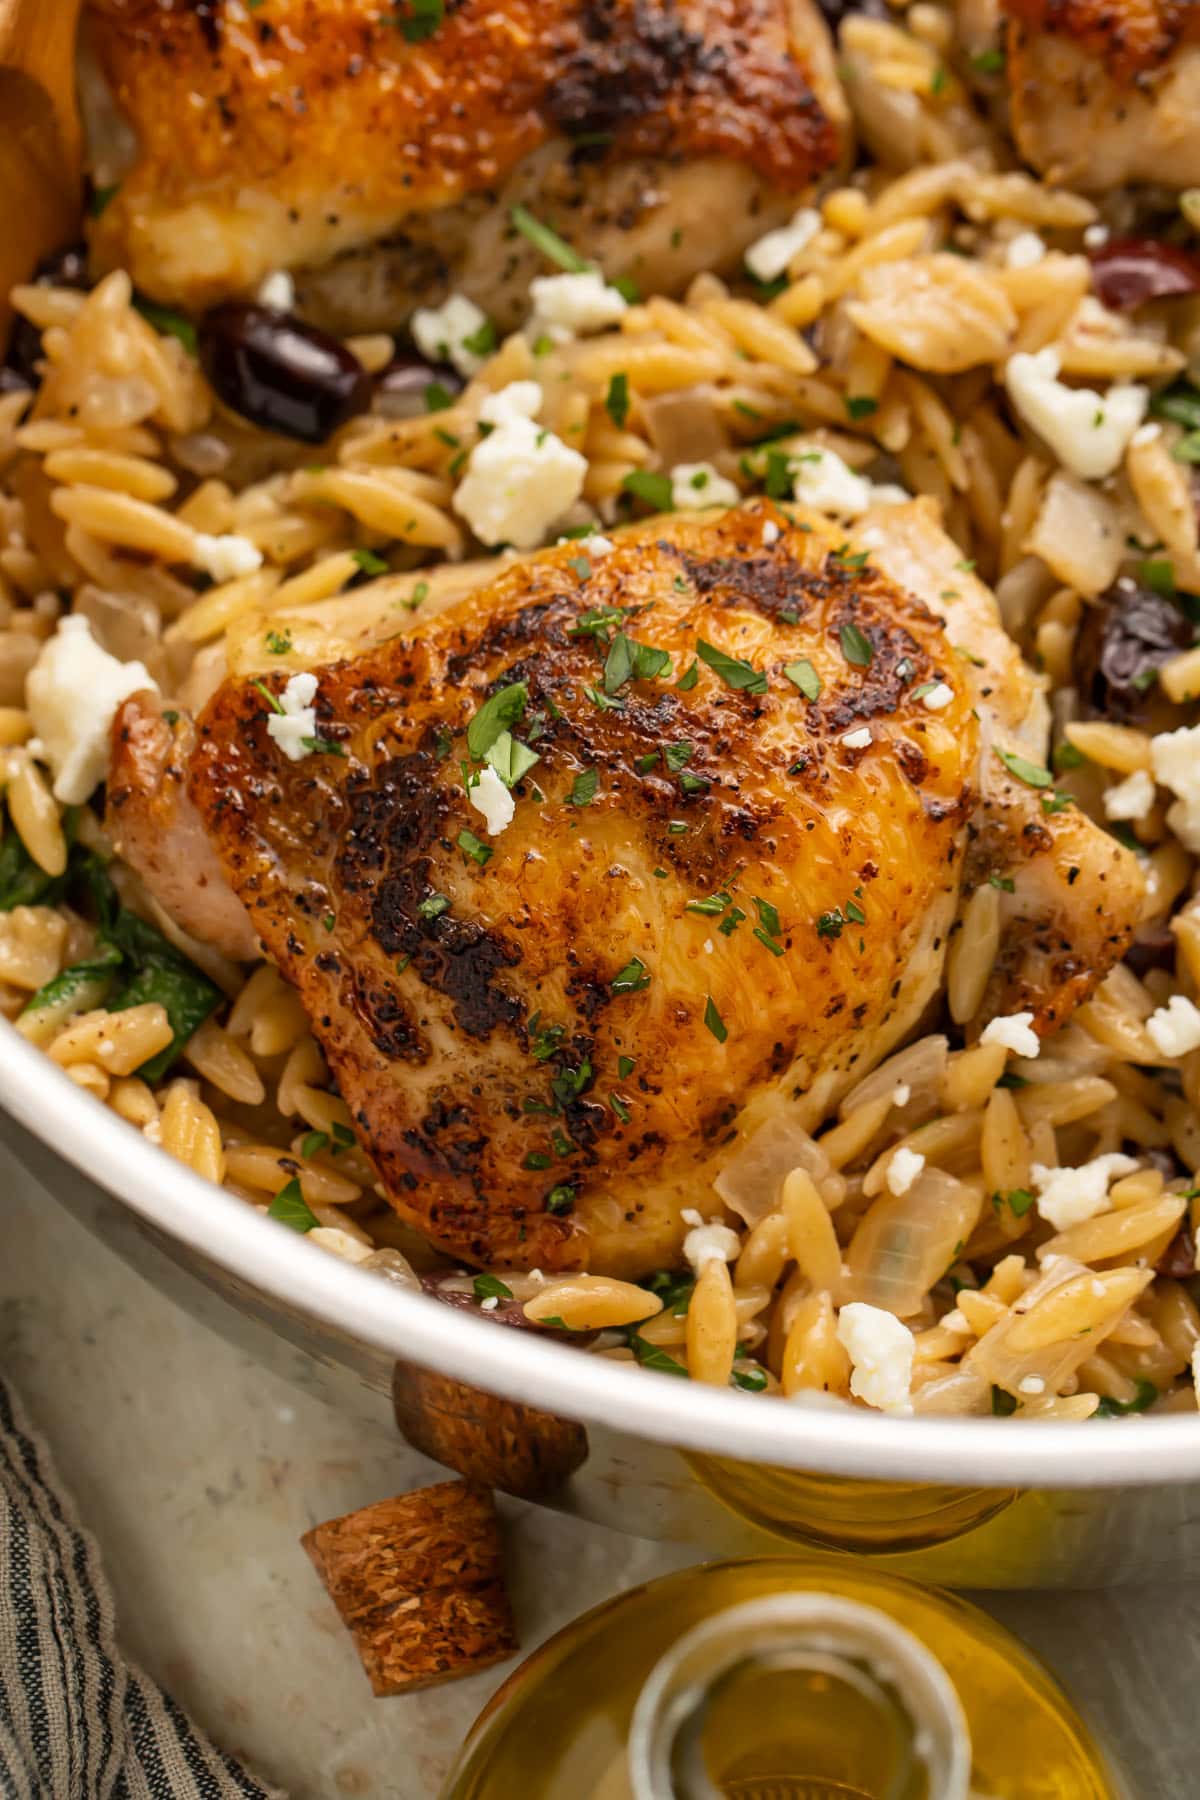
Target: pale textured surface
x=199 y=1471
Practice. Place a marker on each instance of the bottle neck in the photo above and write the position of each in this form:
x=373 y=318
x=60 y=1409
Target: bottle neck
x=801 y=1696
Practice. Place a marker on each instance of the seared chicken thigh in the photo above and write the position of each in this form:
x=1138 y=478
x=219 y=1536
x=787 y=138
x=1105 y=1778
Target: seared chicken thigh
x=378 y=150
x=1106 y=92
x=631 y=854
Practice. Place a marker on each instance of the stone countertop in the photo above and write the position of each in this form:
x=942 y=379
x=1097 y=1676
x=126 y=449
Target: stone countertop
x=198 y=1471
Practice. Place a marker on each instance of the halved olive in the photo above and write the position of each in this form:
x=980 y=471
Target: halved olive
x=280 y=373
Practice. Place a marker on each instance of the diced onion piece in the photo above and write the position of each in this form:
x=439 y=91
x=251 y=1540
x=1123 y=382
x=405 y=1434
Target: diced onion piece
x=907 y=1241
x=751 y=1181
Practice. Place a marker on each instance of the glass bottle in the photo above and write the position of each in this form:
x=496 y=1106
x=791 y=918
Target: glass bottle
x=790 y=1678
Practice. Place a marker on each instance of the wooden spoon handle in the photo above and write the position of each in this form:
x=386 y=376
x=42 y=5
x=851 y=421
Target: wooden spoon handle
x=40 y=141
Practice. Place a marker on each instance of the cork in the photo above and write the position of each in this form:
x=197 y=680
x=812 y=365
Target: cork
x=498 y=1443
x=418 y=1581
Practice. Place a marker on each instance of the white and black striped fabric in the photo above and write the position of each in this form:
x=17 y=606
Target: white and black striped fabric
x=77 y=1722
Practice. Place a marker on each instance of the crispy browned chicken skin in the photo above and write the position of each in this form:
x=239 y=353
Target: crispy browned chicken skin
x=477 y=1018
x=1106 y=92
x=661 y=135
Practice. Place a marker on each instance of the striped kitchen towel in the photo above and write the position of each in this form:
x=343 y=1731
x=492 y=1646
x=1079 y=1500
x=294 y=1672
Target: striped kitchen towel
x=78 y=1722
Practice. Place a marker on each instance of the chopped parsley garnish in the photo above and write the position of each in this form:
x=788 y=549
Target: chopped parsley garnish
x=1145 y=1394
x=1159 y=576
x=580 y=565
x=848 y=559
x=1005 y=883
x=831 y=924
x=731 y=921
x=290 y=1208
x=714 y=1021
x=802 y=675
x=778 y=478
x=433 y=906
x=583 y=788
x=497 y=714
x=277 y=642
x=597 y=622
x=438 y=397
x=644 y=764
x=625 y=1066
x=167 y=321
x=627 y=660
x=1056 y=802
x=538 y=1159
x=751 y=1380
x=602 y=700
x=102 y=198
x=768 y=918
x=861 y=406
x=369 y=563
x=554 y=248
x=620 y=1108
x=689 y=678
x=854 y=912
x=419 y=19
x=561 y=1198
x=694 y=784
x=1031 y=773
x=1018 y=1201
x=473 y=848
x=856 y=646
x=676 y=755
x=772 y=946
x=510 y=758
x=169 y=717
x=490 y=1287
x=646 y=484
x=1067 y=756
x=676 y=827
x=651 y=1357
x=313 y=1142
x=616 y=401
x=712 y=907
x=988 y=62
x=632 y=978
x=733 y=671
x=483 y=341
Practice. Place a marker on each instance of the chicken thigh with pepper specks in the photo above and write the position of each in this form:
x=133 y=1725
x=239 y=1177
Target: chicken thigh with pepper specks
x=377 y=149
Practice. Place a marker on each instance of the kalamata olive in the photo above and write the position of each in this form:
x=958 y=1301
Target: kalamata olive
x=1125 y=637
x=402 y=390
x=280 y=373
x=835 y=11
x=1153 y=947
x=62 y=268
x=1178 y=1260
x=1126 y=272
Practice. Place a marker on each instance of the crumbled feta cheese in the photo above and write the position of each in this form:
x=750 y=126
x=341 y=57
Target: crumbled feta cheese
x=1087 y=431
x=295 y=727
x=1025 y=250
x=277 y=291
x=1015 y=1031
x=711 y=1242
x=1175 y=1027
x=1068 y=1196
x=901 y=1094
x=1176 y=758
x=771 y=532
x=1094 y=236
x=225 y=557
x=1131 y=798
x=903 y=1169
x=339 y=1243
x=768 y=258
x=490 y=797
x=593 y=543
x=822 y=480
x=938 y=696
x=857 y=740
x=520 y=480
x=441 y=333
x=72 y=692
x=699 y=484
x=1146 y=434
x=957 y=1323
x=569 y=306
x=691 y=1215
x=880 y=1349
x=1031 y=1384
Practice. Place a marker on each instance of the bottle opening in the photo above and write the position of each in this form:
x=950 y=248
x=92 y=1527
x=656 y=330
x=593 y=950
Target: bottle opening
x=800 y=1696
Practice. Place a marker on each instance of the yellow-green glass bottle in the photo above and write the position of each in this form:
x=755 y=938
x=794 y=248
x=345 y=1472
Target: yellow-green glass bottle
x=790 y=1678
